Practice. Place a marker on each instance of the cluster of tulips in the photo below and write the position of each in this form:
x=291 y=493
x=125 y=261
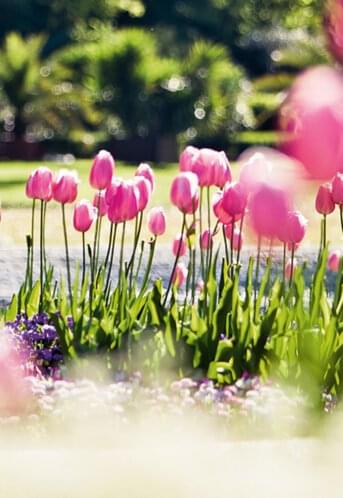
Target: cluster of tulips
x=211 y=204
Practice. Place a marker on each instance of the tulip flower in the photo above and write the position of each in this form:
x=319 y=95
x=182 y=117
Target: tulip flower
x=256 y=171
x=102 y=170
x=222 y=172
x=179 y=246
x=144 y=188
x=337 y=194
x=334 y=261
x=184 y=192
x=187 y=157
x=234 y=200
x=333 y=23
x=295 y=227
x=269 y=208
x=84 y=215
x=64 y=187
x=206 y=240
x=180 y=275
x=99 y=202
x=146 y=171
x=123 y=199
x=324 y=205
x=218 y=209
x=157 y=221
x=39 y=184
x=236 y=235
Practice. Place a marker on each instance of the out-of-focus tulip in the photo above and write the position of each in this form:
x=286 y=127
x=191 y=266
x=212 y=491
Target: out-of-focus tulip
x=337 y=189
x=256 y=171
x=64 y=188
x=334 y=261
x=324 y=201
x=206 y=240
x=39 y=184
x=295 y=227
x=269 y=208
x=313 y=121
x=122 y=199
x=84 y=215
x=219 y=211
x=222 y=171
x=179 y=246
x=146 y=171
x=186 y=158
x=99 y=202
x=15 y=397
x=237 y=240
x=288 y=268
x=184 y=192
x=157 y=221
x=102 y=170
x=234 y=200
x=144 y=188
x=180 y=275
x=333 y=23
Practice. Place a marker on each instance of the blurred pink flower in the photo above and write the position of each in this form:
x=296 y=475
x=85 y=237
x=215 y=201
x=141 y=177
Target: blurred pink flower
x=337 y=189
x=333 y=24
x=186 y=158
x=144 y=188
x=102 y=170
x=256 y=170
x=180 y=275
x=179 y=244
x=324 y=201
x=268 y=211
x=84 y=215
x=312 y=116
x=334 y=261
x=99 y=202
x=64 y=187
x=184 y=192
x=295 y=227
x=157 y=221
x=206 y=239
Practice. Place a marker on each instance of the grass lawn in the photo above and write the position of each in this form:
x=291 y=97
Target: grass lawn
x=16 y=207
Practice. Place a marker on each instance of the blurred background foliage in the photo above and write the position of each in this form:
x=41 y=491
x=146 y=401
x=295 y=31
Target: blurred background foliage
x=145 y=76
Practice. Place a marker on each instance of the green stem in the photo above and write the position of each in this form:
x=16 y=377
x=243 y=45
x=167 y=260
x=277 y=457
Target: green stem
x=148 y=269
x=138 y=229
x=67 y=256
x=341 y=215
x=202 y=263
x=83 y=259
x=257 y=270
x=324 y=231
x=109 y=245
x=32 y=241
x=41 y=257
x=225 y=245
x=240 y=240
x=44 y=251
x=113 y=243
x=95 y=243
x=292 y=265
x=139 y=261
x=175 y=262
x=284 y=262
x=121 y=259
x=193 y=264
x=98 y=244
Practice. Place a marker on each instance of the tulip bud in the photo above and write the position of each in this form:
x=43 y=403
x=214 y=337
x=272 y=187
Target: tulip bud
x=222 y=171
x=179 y=246
x=219 y=211
x=102 y=170
x=144 y=188
x=99 y=202
x=64 y=188
x=206 y=240
x=157 y=221
x=84 y=215
x=186 y=158
x=146 y=171
x=180 y=275
x=295 y=227
x=337 y=189
x=234 y=200
x=324 y=201
x=39 y=184
x=334 y=261
x=184 y=192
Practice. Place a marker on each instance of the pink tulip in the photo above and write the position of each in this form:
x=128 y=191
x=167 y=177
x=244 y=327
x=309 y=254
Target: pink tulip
x=288 y=269
x=234 y=200
x=184 y=192
x=237 y=240
x=122 y=199
x=334 y=261
x=255 y=171
x=324 y=201
x=186 y=158
x=180 y=275
x=157 y=221
x=295 y=227
x=333 y=23
x=99 y=202
x=222 y=172
x=146 y=171
x=206 y=240
x=84 y=215
x=144 y=188
x=64 y=188
x=102 y=170
x=313 y=121
x=203 y=165
x=219 y=211
x=179 y=245
x=39 y=184
x=337 y=189
x=268 y=211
